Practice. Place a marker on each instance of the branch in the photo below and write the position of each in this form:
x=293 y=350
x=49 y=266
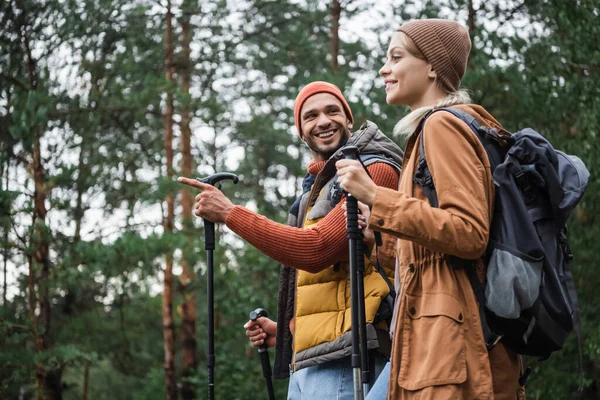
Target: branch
x=21 y=239
x=20 y=157
x=511 y=13
x=15 y=81
x=581 y=69
x=76 y=111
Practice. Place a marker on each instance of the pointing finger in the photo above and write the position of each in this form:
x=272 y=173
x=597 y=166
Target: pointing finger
x=193 y=183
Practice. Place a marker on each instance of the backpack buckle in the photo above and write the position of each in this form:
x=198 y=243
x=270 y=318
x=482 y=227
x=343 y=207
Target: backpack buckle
x=522 y=181
x=335 y=192
x=525 y=185
x=523 y=378
x=494 y=341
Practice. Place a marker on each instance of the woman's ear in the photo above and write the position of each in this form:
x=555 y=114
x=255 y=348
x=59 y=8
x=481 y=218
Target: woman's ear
x=431 y=74
x=349 y=124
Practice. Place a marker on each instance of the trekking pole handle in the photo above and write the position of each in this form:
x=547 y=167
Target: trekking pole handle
x=264 y=354
x=259 y=312
x=350 y=152
x=209 y=227
x=254 y=315
x=219 y=176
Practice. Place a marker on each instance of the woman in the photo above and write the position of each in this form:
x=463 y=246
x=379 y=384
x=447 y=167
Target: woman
x=438 y=349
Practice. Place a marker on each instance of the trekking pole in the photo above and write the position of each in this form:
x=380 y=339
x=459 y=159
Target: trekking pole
x=264 y=354
x=362 y=318
x=209 y=246
x=359 y=339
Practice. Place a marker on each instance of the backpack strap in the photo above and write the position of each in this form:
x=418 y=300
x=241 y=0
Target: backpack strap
x=422 y=174
x=370 y=159
x=423 y=178
x=576 y=313
x=336 y=195
x=336 y=191
x=373 y=158
x=491 y=339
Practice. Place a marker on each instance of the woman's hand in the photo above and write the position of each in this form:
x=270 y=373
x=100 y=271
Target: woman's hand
x=353 y=178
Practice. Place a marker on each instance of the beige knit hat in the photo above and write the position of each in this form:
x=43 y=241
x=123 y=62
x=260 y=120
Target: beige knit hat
x=445 y=44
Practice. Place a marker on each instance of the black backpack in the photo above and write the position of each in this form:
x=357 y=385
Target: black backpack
x=529 y=300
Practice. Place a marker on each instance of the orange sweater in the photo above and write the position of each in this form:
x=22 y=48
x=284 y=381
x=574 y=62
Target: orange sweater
x=311 y=250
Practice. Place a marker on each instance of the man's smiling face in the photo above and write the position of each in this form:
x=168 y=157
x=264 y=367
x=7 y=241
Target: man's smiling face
x=324 y=125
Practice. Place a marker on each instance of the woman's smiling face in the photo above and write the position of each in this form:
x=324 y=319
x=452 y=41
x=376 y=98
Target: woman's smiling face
x=407 y=77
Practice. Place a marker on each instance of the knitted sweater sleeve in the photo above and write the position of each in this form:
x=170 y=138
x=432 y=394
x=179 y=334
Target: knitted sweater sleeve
x=310 y=249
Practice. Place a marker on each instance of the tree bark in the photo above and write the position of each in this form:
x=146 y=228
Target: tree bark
x=49 y=385
x=78 y=212
x=41 y=255
x=471 y=23
x=188 y=308
x=86 y=380
x=6 y=248
x=167 y=299
x=40 y=372
x=334 y=41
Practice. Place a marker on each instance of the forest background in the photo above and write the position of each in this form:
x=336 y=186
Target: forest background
x=103 y=103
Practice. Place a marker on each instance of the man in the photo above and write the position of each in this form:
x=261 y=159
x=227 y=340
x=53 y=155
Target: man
x=313 y=338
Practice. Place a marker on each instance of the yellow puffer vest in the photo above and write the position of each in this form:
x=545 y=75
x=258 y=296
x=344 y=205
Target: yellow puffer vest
x=323 y=301
x=322 y=316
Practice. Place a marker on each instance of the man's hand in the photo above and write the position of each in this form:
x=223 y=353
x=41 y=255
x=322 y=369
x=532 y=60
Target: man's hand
x=354 y=179
x=211 y=204
x=363 y=222
x=261 y=331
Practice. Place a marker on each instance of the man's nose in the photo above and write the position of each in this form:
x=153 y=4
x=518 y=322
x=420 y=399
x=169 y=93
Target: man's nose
x=323 y=120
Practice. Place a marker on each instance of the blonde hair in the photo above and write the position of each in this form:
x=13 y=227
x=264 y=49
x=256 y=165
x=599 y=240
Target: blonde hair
x=407 y=125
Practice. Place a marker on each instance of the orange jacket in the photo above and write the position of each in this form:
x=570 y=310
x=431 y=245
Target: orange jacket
x=438 y=351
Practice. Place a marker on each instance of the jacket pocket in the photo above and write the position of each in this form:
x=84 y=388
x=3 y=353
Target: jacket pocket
x=433 y=344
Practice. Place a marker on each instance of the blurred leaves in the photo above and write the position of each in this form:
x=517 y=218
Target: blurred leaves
x=89 y=75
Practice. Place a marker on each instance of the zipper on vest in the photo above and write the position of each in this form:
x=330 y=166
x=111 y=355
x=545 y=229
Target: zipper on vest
x=293 y=366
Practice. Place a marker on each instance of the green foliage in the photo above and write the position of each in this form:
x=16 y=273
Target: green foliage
x=89 y=77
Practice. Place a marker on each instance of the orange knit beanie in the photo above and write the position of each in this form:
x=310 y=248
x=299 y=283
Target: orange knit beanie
x=445 y=44
x=312 y=89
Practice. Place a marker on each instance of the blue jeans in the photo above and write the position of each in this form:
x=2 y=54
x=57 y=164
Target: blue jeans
x=332 y=380
x=379 y=389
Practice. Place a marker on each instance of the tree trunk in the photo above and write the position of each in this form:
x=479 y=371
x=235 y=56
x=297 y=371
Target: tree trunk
x=40 y=372
x=78 y=213
x=471 y=23
x=49 y=385
x=86 y=380
x=4 y=285
x=167 y=303
x=51 y=379
x=6 y=248
x=188 y=308
x=334 y=41
x=41 y=255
